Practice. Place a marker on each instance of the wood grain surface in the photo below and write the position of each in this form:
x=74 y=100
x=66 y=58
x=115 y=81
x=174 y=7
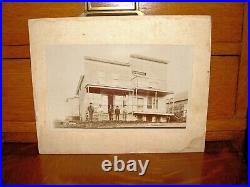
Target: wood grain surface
x=227 y=18
x=218 y=165
x=242 y=96
x=228 y=83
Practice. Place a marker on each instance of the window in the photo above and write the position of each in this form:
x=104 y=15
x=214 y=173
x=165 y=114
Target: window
x=149 y=103
x=152 y=102
x=140 y=103
x=124 y=102
x=155 y=103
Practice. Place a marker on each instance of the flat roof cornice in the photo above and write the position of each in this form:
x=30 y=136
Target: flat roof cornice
x=154 y=90
x=142 y=57
x=106 y=61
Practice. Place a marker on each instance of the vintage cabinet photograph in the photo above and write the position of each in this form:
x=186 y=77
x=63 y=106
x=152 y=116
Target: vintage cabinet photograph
x=118 y=86
x=104 y=85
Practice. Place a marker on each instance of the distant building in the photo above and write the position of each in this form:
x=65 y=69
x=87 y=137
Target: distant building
x=177 y=104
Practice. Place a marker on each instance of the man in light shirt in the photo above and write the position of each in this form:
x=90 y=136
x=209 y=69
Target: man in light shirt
x=124 y=113
x=100 y=112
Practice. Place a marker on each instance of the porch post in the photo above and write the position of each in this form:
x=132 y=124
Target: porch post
x=133 y=94
x=136 y=99
x=155 y=99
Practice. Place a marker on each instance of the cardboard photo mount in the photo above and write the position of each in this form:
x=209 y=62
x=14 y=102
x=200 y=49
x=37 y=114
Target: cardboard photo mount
x=194 y=31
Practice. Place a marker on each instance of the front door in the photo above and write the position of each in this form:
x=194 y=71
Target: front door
x=110 y=100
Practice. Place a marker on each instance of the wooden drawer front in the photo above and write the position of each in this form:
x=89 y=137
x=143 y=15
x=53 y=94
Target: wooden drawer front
x=223 y=85
x=226 y=116
x=227 y=19
x=17 y=90
x=16 y=15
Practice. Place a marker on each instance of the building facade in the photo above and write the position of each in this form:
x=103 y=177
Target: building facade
x=138 y=88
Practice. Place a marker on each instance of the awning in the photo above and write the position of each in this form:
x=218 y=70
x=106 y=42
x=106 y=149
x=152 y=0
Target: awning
x=152 y=92
x=109 y=90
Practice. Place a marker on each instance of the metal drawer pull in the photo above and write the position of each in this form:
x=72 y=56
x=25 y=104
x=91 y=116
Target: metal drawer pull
x=91 y=10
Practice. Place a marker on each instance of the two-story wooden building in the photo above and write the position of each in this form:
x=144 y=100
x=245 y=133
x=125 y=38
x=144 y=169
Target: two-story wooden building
x=139 y=85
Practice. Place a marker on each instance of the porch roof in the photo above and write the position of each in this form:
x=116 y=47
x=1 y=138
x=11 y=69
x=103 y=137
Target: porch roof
x=152 y=91
x=103 y=89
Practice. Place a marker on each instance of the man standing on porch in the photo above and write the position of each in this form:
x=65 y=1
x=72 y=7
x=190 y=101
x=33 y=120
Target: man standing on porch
x=117 y=113
x=124 y=113
x=110 y=111
x=100 y=112
x=91 y=111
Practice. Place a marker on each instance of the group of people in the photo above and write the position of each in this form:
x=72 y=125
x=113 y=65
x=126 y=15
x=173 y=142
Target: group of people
x=111 y=112
x=117 y=112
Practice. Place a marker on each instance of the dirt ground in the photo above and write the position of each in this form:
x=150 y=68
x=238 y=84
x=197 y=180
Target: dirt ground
x=117 y=124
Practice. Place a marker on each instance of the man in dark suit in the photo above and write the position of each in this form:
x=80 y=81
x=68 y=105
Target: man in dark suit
x=117 y=113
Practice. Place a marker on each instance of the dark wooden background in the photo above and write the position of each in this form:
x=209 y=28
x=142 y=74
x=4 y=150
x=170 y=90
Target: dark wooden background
x=23 y=165
x=228 y=84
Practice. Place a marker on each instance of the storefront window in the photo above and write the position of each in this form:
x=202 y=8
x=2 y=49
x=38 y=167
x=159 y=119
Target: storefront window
x=140 y=102
x=149 y=103
x=155 y=103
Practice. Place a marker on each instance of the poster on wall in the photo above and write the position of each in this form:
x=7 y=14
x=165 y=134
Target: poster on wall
x=120 y=84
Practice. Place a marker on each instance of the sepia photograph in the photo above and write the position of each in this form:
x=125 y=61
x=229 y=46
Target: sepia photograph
x=116 y=92
x=125 y=93
x=118 y=86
